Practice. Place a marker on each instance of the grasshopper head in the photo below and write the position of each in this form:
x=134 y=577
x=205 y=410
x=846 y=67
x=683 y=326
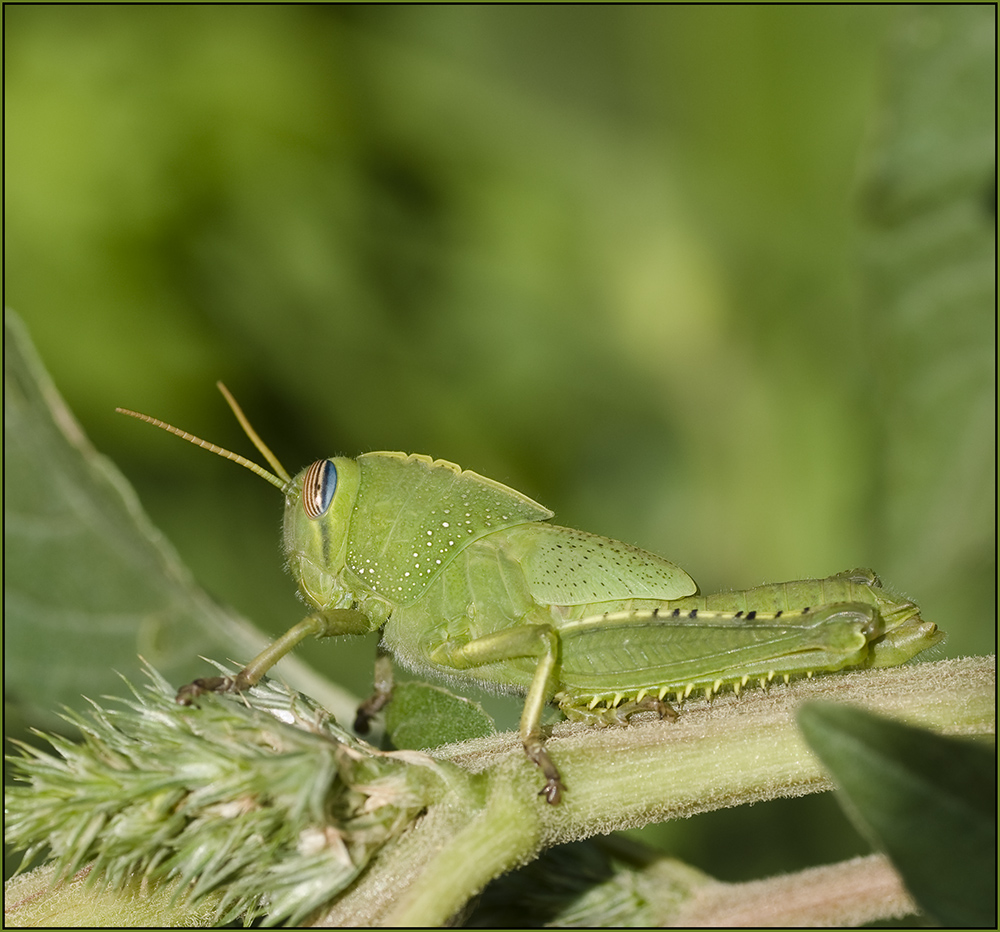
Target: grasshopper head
x=319 y=503
x=318 y=506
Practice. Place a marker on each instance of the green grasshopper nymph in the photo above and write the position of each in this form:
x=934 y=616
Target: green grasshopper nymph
x=465 y=577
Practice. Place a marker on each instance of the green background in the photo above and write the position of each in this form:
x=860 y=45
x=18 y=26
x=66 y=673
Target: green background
x=717 y=281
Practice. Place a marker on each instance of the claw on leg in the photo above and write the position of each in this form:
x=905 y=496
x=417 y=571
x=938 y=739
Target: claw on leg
x=665 y=710
x=534 y=747
x=217 y=684
x=209 y=684
x=379 y=699
x=369 y=709
x=646 y=704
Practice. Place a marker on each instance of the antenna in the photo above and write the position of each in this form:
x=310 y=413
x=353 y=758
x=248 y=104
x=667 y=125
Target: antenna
x=282 y=480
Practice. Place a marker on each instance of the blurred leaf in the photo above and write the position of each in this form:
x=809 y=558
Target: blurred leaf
x=930 y=203
x=927 y=801
x=422 y=715
x=89 y=583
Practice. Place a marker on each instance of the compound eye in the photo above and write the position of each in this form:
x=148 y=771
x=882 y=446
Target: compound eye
x=318 y=488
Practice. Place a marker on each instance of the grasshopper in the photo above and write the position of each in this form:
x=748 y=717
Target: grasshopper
x=465 y=578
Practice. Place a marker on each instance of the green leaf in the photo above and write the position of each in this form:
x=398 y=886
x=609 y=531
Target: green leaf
x=89 y=583
x=929 y=802
x=422 y=715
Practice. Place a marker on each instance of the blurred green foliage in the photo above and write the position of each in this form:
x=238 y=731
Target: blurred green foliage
x=607 y=255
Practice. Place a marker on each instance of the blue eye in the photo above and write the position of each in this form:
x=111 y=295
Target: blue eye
x=318 y=487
